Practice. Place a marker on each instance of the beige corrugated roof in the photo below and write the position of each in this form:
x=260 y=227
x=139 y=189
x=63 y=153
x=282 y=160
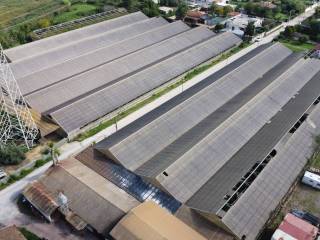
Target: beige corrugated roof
x=91 y=197
x=37 y=194
x=46 y=127
x=11 y=233
x=150 y=221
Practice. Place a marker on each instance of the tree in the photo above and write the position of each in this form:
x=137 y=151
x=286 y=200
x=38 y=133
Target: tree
x=250 y=29
x=303 y=39
x=219 y=11
x=317 y=13
x=315 y=26
x=218 y=27
x=289 y=31
x=226 y=10
x=169 y=3
x=212 y=8
x=150 y=8
x=129 y=4
x=44 y=23
x=54 y=153
x=182 y=10
x=11 y=154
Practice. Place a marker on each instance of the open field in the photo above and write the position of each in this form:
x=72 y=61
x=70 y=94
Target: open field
x=76 y=11
x=12 y=12
x=296 y=46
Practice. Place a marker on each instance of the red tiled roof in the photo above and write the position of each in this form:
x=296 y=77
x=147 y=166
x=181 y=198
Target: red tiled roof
x=298 y=228
x=195 y=14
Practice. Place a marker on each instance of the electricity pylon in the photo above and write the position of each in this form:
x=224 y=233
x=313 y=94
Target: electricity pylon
x=16 y=122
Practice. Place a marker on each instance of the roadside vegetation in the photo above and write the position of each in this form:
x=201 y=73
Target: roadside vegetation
x=282 y=10
x=187 y=77
x=48 y=153
x=12 y=154
x=16 y=177
x=304 y=36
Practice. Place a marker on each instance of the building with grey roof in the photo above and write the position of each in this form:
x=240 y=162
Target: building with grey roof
x=76 y=78
x=212 y=146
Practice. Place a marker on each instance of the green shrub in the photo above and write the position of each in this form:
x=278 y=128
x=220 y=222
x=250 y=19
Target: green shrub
x=29 y=235
x=11 y=154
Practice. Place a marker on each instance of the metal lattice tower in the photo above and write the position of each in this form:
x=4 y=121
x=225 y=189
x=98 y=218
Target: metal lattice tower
x=16 y=122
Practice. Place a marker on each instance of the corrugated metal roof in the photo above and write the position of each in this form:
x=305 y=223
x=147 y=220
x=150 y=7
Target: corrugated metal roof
x=111 y=97
x=11 y=233
x=253 y=209
x=216 y=149
x=210 y=198
x=154 y=114
x=37 y=47
x=40 y=197
x=142 y=145
x=28 y=66
x=77 y=87
x=109 y=52
x=93 y=198
x=150 y=221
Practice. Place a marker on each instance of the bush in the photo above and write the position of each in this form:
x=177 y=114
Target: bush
x=11 y=154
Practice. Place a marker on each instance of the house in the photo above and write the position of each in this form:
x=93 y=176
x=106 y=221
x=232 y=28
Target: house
x=194 y=17
x=293 y=227
x=150 y=221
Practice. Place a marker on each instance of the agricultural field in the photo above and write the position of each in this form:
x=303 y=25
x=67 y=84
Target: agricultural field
x=20 y=18
x=13 y=13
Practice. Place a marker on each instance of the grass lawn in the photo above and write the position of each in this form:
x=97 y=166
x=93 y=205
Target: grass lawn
x=76 y=11
x=281 y=16
x=296 y=46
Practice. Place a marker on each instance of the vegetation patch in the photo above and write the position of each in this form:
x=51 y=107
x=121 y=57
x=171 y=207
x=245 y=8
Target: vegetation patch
x=11 y=154
x=16 y=177
x=28 y=235
x=75 y=11
x=297 y=46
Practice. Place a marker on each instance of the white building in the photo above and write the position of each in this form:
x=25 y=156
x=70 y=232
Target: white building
x=238 y=24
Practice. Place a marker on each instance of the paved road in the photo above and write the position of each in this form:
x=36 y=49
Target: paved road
x=9 y=212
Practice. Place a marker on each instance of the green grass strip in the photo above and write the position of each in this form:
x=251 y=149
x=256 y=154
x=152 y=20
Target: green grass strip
x=28 y=235
x=162 y=92
x=296 y=46
x=16 y=177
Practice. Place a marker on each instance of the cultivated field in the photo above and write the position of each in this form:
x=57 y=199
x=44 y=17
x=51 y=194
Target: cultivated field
x=13 y=12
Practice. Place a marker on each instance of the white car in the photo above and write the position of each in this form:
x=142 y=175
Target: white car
x=2 y=174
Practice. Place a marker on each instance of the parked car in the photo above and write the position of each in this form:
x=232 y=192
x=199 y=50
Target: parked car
x=315 y=221
x=311 y=179
x=2 y=174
